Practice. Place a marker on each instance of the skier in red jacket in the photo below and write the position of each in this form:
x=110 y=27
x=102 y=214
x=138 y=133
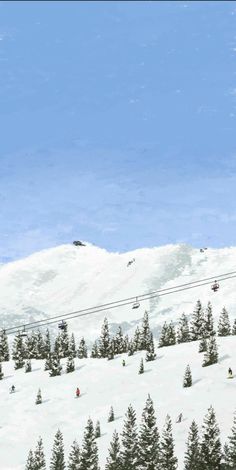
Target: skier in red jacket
x=77 y=392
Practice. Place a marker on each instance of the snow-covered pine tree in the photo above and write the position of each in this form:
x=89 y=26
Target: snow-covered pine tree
x=56 y=367
x=104 y=340
x=130 y=348
x=163 y=340
x=72 y=346
x=39 y=458
x=225 y=458
x=39 y=345
x=149 y=451
x=74 y=457
x=183 y=333
x=211 y=354
x=48 y=362
x=119 y=343
x=136 y=339
x=4 y=348
x=187 y=382
x=94 y=351
x=30 y=346
x=70 y=365
x=197 y=322
x=150 y=354
x=224 y=328
x=111 y=350
x=126 y=343
x=1 y=372
x=114 y=457
x=231 y=451
x=191 y=460
x=28 y=367
x=82 y=350
x=47 y=344
x=57 y=459
x=97 y=431
x=30 y=461
x=38 y=398
x=18 y=351
x=202 y=345
x=129 y=439
x=234 y=328
x=141 y=367
x=171 y=335
x=145 y=331
x=208 y=325
x=168 y=461
x=111 y=415
x=89 y=453
x=64 y=342
x=210 y=450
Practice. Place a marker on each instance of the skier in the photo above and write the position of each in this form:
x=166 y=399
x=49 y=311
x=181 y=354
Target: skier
x=179 y=419
x=123 y=363
x=12 y=389
x=230 y=373
x=77 y=392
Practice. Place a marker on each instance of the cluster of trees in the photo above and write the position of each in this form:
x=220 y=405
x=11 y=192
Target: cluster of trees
x=144 y=447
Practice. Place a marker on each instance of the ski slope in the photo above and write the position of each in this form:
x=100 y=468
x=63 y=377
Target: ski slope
x=69 y=278
x=106 y=383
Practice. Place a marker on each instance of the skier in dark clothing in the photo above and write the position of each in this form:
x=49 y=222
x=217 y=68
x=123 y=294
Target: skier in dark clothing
x=77 y=392
x=179 y=419
x=12 y=389
x=230 y=373
x=123 y=363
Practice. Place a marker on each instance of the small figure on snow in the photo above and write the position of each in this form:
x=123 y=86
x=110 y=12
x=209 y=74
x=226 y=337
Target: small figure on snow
x=12 y=389
x=77 y=392
x=123 y=363
x=230 y=373
x=179 y=419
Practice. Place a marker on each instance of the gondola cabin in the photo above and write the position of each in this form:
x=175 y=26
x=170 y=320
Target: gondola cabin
x=215 y=286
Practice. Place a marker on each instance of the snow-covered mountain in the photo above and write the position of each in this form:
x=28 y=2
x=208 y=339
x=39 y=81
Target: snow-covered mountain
x=69 y=278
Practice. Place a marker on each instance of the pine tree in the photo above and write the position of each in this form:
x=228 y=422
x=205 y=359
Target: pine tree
x=38 y=398
x=119 y=343
x=70 y=365
x=192 y=457
x=208 y=325
x=126 y=343
x=234 y=327
x=168 y=460
x=74 y=457
x=64 y=342
x=150 y=354
x=136 y=340
x=187 y=382
x=18 y=351
x=211 y=354
x=129 y=438
x=97 y=431
x=141 y=367
x=231 y=454
x=183 y=333
x=111 y=415
x=57 y=459
x=94 y=351
x=39 y=345
x=1 y=372
x=47 y=344
x=39 y=457
x=114 y=457
x=55 y=366
x=82 y=351
x=130 y=348
x=4 y=348
x=224 y=328
x=72 y=347
x=48 y=362
x=202 y=345
x=89 y=453
x=111 y=351
x=28 y=367
x=225 y=463
x=144 y=339
x=30 y=346
x=104 y=340
x=197 y=322
x=210 y=453
x=168 y=336
x=148 y=439
x=30 y=464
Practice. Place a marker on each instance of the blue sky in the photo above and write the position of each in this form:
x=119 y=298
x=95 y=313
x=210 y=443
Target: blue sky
x=118 y=124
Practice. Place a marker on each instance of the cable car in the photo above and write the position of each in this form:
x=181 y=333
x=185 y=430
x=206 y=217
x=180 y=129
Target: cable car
x=136 y=304
x=62 y=325
x=23 y=333
x=215 y=286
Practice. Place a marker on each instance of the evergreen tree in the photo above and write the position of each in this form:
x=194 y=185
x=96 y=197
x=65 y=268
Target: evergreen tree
x=38 y=398
x=74 y=457
x=47 y=344
x=114 y=457
x=168 y=460
x=40 y=345
x=197 y=323
x=82 y=351
x=183 y=333
x=136 y=340
x=97 y=431
x=208 y=325
x=28 y=367
x=168 y=336
x=210 y=453
x=70 y=365
x=224 y=328
x=141 y=367
x=48 y=362
x=57 y=459
x=225 y=463
x=144 y=339
x=30 y=464
x=111 y=415
x=72 y=346
x=231 y=451
x=111 y=351
x=39 y=457
x=104 y=340
x=119 y=343
x=30 y=346
x=89 y=453
x=55 y=366
x=1 y=372
x=202 y=345
x=94 y=350
x=234 y=327
x=126 y=343
x=148 y=439
x=187 y=382
x=192 y=457
x=64 y=342
x=129 y=438
x=4 y=348
x=18 y=351
x=211 y=354
x=150 y=355
x=130 y=348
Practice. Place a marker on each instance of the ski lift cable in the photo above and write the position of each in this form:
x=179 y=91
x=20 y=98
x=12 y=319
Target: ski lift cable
x=79 y=313
x=118 y=303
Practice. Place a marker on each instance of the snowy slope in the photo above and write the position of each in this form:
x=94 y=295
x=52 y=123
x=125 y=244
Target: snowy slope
x=104 y=383
x=69 y=278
